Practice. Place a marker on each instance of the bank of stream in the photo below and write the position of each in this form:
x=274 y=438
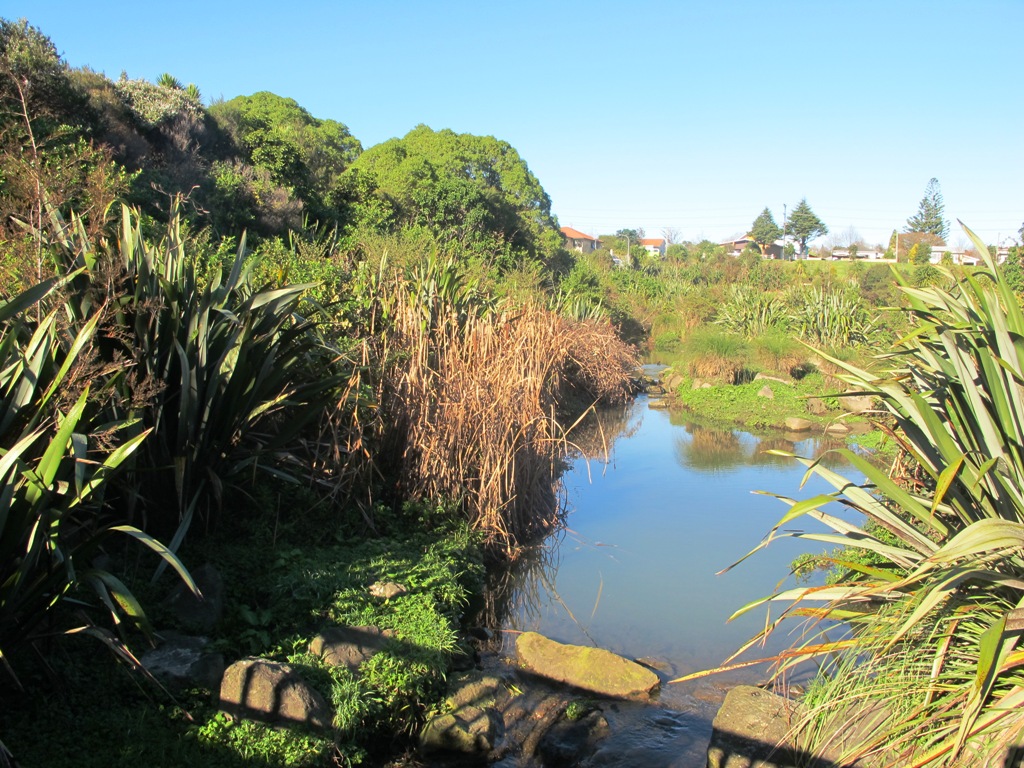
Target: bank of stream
x=636 y=567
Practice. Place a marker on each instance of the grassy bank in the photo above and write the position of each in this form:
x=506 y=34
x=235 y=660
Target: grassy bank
x=280 y=590
x=811 y=397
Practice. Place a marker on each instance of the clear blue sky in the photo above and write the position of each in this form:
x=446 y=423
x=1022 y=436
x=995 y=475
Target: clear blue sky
x=689 y=115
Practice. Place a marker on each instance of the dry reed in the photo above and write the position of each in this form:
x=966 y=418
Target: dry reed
x=468 y=402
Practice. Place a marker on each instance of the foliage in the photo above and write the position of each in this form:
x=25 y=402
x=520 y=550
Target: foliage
x=157 y=104
x=304 y=573
x=751 y=312
x=932 y=645
x=34 y=82
x=920 y=253
x=300 y=153
x=58 y=454
x=930 y=216
x=224 y=373
x=709 y=353
x=741 y=403
x=466 y=396
x=764 y=231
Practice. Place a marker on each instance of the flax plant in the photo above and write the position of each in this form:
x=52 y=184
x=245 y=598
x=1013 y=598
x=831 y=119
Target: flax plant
x=830 y=317
x=57 y=458
x=234 y=372
x=926 y=654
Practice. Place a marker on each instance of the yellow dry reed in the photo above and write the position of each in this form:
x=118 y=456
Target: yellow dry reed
x=468 y=405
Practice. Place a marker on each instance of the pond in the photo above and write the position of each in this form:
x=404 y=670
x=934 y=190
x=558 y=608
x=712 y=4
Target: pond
x=648 y=529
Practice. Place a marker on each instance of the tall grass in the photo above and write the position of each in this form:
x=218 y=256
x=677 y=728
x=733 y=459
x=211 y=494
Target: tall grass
x=750 y=311
x=709 y=353
x=931 y=649
x=469 y=393
x=830 y=317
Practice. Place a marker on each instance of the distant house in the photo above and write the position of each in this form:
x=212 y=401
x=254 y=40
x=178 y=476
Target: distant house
x=655 y=246
x=740 y=244
x=863 y=252
x=579 y=241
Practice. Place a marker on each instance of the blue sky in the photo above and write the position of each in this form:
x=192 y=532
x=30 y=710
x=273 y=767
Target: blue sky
x=685 y=115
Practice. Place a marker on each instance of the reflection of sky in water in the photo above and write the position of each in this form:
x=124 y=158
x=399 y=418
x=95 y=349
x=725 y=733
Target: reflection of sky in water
x=648 y=533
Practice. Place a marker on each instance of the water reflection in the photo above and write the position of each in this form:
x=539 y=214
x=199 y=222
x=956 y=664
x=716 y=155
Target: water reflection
x=595 y=433
x=714 y=449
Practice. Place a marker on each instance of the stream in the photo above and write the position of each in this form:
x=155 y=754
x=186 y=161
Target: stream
x=634 y=568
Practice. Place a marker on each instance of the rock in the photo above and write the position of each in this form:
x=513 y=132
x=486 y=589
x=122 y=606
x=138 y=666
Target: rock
x=476 y=691
x=856 y=403
x=751 y=729
x=195 y=614
x=837 y=428
x=387 y=589
x=698 y=384
x=570 y=742
x=183 y=659
x=590 y=669
x=674 y=381
x=349 y=646
x=468 y=730
x=766 y=391
x=271 y=692
x=766 y=377
x=657 y=665
x=798 y=424
x=658 y=403
x=816 y=406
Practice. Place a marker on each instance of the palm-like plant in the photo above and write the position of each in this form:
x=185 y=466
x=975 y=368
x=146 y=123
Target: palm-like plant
x=932 y=640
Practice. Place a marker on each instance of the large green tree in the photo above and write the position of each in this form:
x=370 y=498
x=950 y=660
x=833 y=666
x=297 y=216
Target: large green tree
x=804 y=225
x=472 y=190
x=764 y=231
x=930 y=216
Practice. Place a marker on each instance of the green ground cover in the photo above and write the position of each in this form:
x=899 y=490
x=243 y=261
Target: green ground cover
x=280 y=592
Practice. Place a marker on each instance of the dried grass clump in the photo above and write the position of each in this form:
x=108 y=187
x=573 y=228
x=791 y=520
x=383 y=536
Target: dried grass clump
x=468 y=406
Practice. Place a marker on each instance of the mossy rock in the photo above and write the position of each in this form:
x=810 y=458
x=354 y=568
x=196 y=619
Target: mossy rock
x=590 y=669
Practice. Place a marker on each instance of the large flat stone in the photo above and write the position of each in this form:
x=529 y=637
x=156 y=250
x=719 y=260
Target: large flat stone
x=590 y=669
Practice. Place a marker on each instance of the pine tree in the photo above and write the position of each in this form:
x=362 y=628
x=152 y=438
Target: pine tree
x=764 y=231
x=930 y=213
x=804 y=225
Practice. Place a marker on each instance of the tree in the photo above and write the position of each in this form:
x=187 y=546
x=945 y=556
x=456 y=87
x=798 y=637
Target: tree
x=930 y=213
x=672 y=235
x=804 y=225
x=764 y=231
x=920 y=253
x=635 y=235
x=472 y=190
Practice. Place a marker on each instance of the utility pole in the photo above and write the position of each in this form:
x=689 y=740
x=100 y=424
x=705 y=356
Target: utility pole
x=783 y=231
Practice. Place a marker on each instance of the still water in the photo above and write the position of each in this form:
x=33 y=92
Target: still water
x=648 y=528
